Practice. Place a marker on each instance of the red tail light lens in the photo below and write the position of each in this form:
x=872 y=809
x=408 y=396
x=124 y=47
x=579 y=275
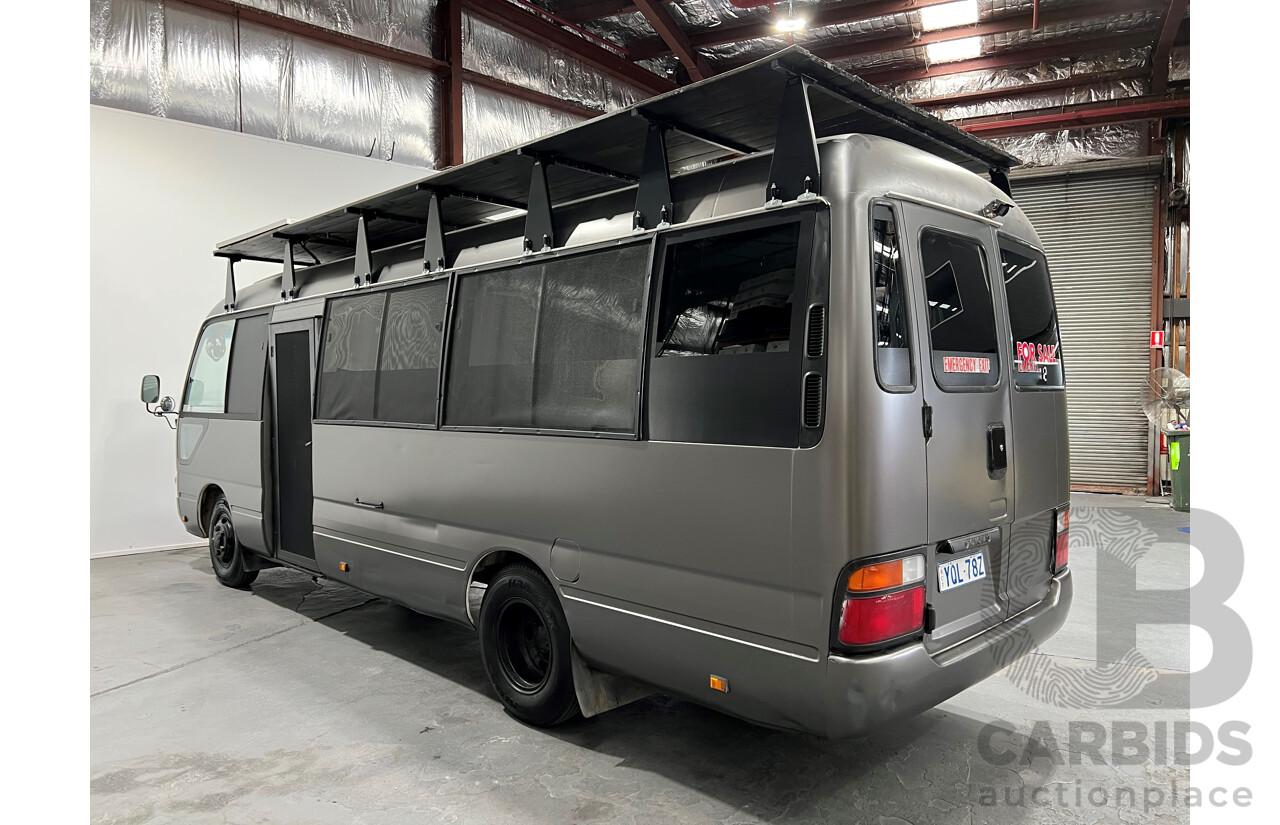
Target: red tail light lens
x=1062 y=540
x=872 y=619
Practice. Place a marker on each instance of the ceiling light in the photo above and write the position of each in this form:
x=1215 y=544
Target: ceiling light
x=962 y=13
x=790 y=23
x=949 y=50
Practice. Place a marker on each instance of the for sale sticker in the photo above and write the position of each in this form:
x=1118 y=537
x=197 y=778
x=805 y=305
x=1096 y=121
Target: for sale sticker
x=1031 y=357
x=955 y=363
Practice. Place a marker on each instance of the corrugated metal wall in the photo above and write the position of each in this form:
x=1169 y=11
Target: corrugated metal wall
x=1097 y=233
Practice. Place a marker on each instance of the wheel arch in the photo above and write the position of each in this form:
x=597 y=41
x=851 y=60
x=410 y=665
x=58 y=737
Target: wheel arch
x=492 y=562
x=208 y=496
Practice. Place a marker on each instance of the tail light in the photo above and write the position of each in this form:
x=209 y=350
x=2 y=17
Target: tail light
x=1062 y=533
x=882 y=600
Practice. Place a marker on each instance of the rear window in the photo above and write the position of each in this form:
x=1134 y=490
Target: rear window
x=1032 y=317
x=962 y=321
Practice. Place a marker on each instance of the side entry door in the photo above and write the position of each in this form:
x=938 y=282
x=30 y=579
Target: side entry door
x=293 y=368
x=965 y=418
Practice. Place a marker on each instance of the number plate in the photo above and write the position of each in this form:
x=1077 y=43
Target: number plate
x=959 y=572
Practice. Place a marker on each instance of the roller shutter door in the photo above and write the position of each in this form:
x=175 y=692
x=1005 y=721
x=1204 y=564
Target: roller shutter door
x=1097 y=229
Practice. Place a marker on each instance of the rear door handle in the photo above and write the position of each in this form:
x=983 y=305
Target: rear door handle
x=372 y=505
x=997 y=456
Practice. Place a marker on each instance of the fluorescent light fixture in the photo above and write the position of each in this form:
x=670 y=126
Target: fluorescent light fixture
x=502 y=216
x=789 y=24
x=961 y=13
x=949 y=50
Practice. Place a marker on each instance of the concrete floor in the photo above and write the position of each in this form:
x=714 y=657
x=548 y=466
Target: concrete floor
x=297 y=702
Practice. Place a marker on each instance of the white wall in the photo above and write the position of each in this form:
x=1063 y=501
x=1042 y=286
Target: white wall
x=162 y=194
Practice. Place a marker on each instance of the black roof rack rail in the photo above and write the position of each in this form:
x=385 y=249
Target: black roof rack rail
x=768 y=105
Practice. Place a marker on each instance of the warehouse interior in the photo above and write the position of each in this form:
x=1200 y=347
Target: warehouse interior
x=303 y=700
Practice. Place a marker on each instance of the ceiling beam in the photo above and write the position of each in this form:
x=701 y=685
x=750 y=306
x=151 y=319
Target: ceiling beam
x=1106 y=113
x=846 y=12
x=524 y=23
x=280 y=22
x=1086 y=12
x=598 y=9
x=1071 y=47
x=1006 y=92
x=1169 y=26
x=675 y=38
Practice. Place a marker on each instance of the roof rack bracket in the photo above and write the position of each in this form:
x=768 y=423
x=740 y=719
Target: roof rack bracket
x=288 y=278
x=433 y=257
x=539 y=233
x=365 y=273
x=794 y=173
x=1000 y=178
x=229 y=302
x=654 y=206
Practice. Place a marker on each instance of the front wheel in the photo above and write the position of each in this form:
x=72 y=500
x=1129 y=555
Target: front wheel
x=524 y=642
x=224 y=548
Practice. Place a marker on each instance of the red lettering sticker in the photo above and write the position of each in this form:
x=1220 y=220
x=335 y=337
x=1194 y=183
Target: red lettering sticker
x=955 y=363
x=1031 y=357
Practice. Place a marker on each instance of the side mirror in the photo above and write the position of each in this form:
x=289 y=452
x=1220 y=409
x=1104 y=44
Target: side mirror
x=166 y=404
x=150 y=389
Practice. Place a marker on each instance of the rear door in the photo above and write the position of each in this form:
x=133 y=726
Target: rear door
x=966 y=418
x=1039 y=408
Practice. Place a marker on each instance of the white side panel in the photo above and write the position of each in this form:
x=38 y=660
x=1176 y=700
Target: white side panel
x=162 y=194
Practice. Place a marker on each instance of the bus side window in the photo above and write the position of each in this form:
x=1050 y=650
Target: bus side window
x=552 y=345
x=349 y=362
x=727 y=356
x=891 y=324
x=248 y=365
x=206 y=390
x=409 y=367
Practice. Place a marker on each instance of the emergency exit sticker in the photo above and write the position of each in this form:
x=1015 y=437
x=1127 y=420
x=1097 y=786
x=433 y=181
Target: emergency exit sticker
x=1157 y=338
x=955 y=363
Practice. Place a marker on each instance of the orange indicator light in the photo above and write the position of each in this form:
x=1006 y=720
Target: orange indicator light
x=719 y=683
x=343 y=566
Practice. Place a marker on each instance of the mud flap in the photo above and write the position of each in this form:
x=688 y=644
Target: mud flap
x=598 y=692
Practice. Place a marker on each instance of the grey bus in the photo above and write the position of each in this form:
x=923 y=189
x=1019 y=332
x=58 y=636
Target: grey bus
x=750 y=394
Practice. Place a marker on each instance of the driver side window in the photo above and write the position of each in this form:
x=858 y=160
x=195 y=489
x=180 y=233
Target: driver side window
x=206 y=390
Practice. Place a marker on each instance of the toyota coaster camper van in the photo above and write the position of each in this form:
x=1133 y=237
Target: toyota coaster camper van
x=750 y=393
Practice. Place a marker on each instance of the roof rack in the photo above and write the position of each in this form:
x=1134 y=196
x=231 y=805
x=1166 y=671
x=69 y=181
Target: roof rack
x=783 y=103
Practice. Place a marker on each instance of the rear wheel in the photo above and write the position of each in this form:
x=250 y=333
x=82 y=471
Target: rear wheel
x=524 y=641
x=225 y=551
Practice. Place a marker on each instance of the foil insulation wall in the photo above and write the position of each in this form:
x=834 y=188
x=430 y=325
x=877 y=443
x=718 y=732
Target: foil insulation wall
x=492 y=121
x=178 y=61
x=503 y=55
x=1058 y=148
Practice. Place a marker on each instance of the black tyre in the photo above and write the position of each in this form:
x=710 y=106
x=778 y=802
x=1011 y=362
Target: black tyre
x=524 y=641
x=224 y=548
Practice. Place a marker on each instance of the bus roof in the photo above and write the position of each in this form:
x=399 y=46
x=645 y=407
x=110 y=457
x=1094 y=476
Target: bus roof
x=740 y=112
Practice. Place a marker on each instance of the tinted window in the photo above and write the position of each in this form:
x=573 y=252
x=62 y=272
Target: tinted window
x=207 y=385
x=409 y=369
x=550 y=345
x=248 y=364
x=348 y=373
x=962 y=324
x=1032 y=318
x=727 y=365
x=890 y=322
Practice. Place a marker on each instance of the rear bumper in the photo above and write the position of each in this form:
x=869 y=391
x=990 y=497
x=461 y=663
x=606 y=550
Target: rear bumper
x=869 y=692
